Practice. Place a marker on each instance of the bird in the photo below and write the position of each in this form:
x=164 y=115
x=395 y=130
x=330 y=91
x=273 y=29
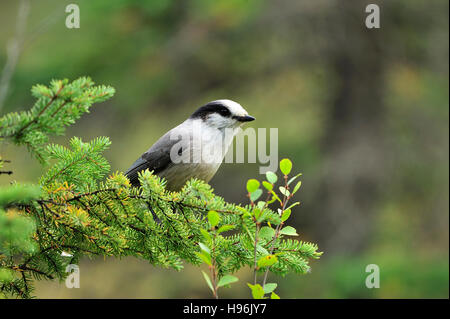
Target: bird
x=195 y=148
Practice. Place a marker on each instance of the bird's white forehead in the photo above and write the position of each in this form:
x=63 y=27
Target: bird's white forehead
x=234 y=107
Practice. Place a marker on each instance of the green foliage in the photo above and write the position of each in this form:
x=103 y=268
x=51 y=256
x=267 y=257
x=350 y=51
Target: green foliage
x=263 y=248
x=257 y=291
x=269 y=287
x=16 y=238
x=285 y=166
x=252 y=185
x=80 y=166
x=56 y=107
x=78 y=209
x=267 y=261
x=226 y=280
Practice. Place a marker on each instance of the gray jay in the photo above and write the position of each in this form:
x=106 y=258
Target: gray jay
x=195 y=148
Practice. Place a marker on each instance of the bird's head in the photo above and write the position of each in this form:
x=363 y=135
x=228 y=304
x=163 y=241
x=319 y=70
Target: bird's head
x=222 y=114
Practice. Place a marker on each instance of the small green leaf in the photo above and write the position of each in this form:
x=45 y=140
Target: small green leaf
x=269 y=287
x=257 y=291
x=267 y=185
x=225 y=228
x=284 y=191
x=266 y=233
x=204 y=247
x=285 y=215
x=271 y=177
x=288 y=230
x=208 y=281
x=294 y=178
x=267 y=261
x=205 y=257
x=293 y=205
x=226 y=280
x=274 y=296
x=297 y=187
x=285 y=166
x=213 y=218
x=261 y=250
x=256 y=194
x=257 y=212
x=275 y=196
x=252 y=185
x=205 y=234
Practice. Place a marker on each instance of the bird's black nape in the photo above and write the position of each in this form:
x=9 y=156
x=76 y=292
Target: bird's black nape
x=211 y=107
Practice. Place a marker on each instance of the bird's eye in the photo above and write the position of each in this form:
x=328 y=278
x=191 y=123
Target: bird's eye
x=224 y=112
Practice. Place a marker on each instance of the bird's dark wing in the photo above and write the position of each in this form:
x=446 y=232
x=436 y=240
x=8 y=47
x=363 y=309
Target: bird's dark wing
x=156 y=159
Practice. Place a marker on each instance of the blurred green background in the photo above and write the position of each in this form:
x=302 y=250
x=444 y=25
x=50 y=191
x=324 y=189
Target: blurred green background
x=363 y=114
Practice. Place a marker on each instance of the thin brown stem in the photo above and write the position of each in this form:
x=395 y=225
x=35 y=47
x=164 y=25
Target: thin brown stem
x=254 y=254
x=278 y=228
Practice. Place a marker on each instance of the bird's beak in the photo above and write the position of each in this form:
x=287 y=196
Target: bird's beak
x=246 y=118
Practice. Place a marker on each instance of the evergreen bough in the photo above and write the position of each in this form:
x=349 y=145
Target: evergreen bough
x=78 y=209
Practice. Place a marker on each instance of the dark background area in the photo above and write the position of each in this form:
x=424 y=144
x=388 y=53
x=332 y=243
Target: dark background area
x=362 y=113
